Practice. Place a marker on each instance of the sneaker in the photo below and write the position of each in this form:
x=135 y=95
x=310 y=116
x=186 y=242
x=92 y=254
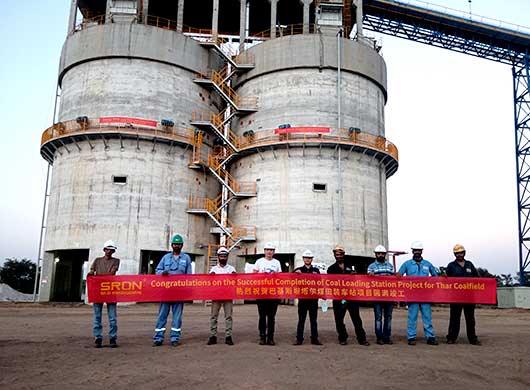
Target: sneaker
x=212 y=340
x=343 y=342
x=411 y=342
x=379 y=342
x=113 y=343
x=98 y=342
x=475 y=342
x=157 y=343
x=229 y=340
x=364 y=343
x=432 y=341
x=316 y=342
x=298 y=342
x=175 y=343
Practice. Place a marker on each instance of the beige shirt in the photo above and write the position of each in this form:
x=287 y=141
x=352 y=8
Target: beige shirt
x=102 y=266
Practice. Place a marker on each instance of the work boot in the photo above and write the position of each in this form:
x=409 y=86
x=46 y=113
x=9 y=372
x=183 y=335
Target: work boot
x=475 y=342
x=175 y=343
x=343 y=342
x=262 y=340
x=112 y=343
x=379 y=342
x=212 y=340
x=449 y=341
x=389 y=342
x=229 y=341
x=432 y=341
x=411 y=342
x=298 y=342
x=157 y=343
x=364 y=343
x=98 y=342
x=316 y=342
x=270 y=341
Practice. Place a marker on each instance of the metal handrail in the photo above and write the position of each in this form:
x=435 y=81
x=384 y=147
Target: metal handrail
x=72 y=127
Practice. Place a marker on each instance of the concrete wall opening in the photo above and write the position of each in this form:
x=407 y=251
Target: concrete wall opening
x=68 y=283
x=149 y=261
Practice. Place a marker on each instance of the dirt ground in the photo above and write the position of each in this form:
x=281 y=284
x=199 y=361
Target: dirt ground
x=51 y=347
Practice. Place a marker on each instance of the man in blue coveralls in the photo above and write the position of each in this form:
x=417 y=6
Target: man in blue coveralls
x=173 y=263
x=418 y=266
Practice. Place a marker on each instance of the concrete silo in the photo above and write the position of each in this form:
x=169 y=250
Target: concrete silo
x=232 y=122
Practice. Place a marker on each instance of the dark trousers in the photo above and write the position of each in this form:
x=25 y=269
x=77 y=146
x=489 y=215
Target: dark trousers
x=339 y=312
x=304 y=306
x=267 y=313
x=454 y=321
x=383 y=320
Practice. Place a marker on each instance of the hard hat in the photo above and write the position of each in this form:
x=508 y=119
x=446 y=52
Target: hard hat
x=338 y=248
x=222 y=251
x=177 y=239
x=416 y=245
x=380 y=249
x=269 y=245
x=307 y=253
x=109 y=244
x=459 y=248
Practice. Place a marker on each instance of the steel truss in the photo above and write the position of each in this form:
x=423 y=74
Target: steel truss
x=521 y=97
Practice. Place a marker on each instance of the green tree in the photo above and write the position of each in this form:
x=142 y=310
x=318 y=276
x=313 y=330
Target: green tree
x=18 y=274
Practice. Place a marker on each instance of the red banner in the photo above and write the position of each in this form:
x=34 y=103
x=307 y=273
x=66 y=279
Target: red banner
x=289 y=130
x=132 y=121
x=156 y=288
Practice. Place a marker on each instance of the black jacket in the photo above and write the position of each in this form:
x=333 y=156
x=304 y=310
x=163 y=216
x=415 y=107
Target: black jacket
x=468 y=270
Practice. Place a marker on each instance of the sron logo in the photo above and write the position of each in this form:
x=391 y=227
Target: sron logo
x=121 y=288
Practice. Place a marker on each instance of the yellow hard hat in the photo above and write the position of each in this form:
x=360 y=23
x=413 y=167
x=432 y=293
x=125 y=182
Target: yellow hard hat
x=338 y=248
x=459 y=248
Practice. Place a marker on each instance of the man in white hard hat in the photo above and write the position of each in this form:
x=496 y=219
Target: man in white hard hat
x=461 y=268
x=418 y=266
x=341 y=306
x=221 y=268
x=307 y=305
x=106 y=265
x=267 y=308
x=382 y=310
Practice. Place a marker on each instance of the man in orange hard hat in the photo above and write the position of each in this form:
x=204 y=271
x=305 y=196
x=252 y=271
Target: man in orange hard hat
x=461 y=268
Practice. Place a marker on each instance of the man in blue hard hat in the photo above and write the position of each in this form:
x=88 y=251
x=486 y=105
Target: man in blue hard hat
x=173 y=263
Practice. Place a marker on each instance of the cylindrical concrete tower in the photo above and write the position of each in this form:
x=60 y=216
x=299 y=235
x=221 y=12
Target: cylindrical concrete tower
x=226 y=123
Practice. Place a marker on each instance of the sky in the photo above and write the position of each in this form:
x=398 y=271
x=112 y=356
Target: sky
x=449 y=114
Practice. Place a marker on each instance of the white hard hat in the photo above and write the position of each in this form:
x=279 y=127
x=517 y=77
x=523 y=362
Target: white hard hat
x=380 y=249
x=222 y=251
x=416 y=245
x=307 y=253
x=269 y=245
x=109 y=244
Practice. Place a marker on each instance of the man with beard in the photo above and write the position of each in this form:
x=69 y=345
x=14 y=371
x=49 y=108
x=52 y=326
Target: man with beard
x=307 y=305
x=341 y=306
x=461 y=268
x=382 y=310
x=221 y=268
x=418 y=266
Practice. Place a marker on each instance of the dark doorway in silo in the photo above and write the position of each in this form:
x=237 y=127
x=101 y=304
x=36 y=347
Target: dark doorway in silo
x=359 y=263
x=68 y=281
x=149 y=261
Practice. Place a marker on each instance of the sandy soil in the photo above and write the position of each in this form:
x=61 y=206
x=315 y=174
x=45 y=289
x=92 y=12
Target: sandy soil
x=51 y=347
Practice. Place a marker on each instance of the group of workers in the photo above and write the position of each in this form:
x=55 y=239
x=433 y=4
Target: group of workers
x=178 y=262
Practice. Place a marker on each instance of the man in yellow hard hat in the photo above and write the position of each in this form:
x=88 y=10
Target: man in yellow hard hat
x=461 y=268
x=341 y=306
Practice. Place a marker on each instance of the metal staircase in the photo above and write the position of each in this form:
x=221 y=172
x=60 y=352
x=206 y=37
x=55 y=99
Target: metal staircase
x=219 y=156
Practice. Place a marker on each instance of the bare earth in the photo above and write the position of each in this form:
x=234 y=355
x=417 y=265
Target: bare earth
x=51 y=347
